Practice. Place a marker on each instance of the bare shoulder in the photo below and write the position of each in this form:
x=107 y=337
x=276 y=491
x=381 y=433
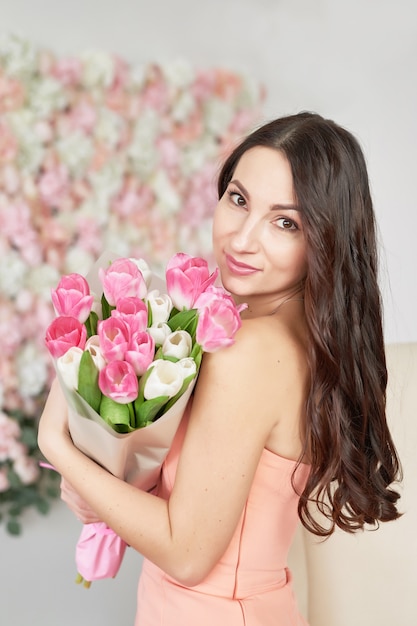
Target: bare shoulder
x=267 y=360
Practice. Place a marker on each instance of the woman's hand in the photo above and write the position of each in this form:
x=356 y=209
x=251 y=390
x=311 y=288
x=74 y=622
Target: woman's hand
x=53 y=432
x=78 y=506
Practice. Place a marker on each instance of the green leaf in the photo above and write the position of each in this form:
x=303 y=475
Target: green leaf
x=42 y=506
x=88 y=381
x=91 y=324
x=28 y=437
x=13 y=526
x=178 y=395
x=149 y=314
x=149 y=410
x=184 y=320
x=106 y=307
x=115 y=414
x=197 y=354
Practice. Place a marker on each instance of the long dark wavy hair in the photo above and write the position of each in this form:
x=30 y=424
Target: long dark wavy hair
x=353 y=458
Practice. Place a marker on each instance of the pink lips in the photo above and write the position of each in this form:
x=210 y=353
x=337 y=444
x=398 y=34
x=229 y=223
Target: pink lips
x=240 y=269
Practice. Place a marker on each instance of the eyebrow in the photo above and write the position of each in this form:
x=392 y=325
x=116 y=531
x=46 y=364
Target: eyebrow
x=274 y=207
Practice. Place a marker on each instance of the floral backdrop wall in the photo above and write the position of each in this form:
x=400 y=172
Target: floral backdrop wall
x=95 y=154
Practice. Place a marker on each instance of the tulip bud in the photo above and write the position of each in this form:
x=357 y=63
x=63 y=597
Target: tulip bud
x=68 y=366
x=161 y=306
x=159 y=333
x=165 y=379
x=118 y=381
x=177 y=345
x=64 y=333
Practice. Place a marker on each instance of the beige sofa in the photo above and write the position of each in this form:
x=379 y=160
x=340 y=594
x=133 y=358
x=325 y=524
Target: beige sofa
x=370 y=579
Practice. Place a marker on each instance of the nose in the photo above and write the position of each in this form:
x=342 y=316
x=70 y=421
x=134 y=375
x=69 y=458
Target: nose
x=246 y=235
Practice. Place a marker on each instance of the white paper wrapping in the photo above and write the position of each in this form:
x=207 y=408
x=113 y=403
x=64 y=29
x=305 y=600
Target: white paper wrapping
x=135 y=457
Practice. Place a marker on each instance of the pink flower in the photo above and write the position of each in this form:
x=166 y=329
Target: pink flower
x=140 y=352
x=134 y=312
x=119 y=382
x=122 y=279
x=218 y=321
x=72 y=297
x=8 y=143
x=187 y=277
x=114 y=337
x=53 y=186
x=83 y=117
x=63 y=333
x=67 y=71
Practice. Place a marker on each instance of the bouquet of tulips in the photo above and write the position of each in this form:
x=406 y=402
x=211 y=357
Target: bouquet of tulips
x=127 y=348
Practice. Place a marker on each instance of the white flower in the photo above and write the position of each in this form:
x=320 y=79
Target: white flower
x=31 y=150
x=32 y=370
x=161 y=306
x=143 y=158
x=47 y=96
x=167 y=195
x=179 y=73
x=218 y=114
x=144 y=268
x=12 y=274
x=78 y=261
x=93 y=347
x=106 y=183
x=250 y=93
x=183 y=107
x=42 y=279
x=75 y=151
x=165 y=379
x=159 y=332
x=27 y=469
x=197 y=155
x=109 y=128
x=178 y=345
x=18 y=56
x=98 y=68
x=138 y=76
x=68 y=366
x=189 y=367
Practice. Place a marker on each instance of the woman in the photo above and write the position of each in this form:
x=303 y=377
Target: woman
x=289 y=419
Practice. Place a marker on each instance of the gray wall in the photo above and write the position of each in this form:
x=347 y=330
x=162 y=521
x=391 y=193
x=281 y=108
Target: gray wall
x=352 y=60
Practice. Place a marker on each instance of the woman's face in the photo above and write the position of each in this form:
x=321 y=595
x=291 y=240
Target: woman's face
x=258 y=236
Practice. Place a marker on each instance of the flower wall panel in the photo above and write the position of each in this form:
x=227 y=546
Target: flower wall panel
x=95 y=154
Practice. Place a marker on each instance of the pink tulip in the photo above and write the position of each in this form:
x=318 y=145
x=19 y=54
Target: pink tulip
x=114 y=337
x=119 y=382
x=187 y=277
x=134 y=312
x=122 y=279
x=72 y=297
x=64 y=333
x=217 y=324
x=140 y=352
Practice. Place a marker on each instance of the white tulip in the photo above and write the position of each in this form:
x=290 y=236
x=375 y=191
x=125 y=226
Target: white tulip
x=159 y=332
x=145 y=270
x=93 y=347
x=178 y=344
x=68 y=366
x=165 y=379
x=161 y=306
x=189 y=367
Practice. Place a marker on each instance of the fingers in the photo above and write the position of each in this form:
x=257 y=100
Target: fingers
x=76 y=504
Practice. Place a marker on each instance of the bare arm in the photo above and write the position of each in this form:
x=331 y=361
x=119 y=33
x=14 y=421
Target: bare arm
x=187 y=534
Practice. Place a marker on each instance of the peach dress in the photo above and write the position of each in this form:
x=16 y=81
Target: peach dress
x=251 y=584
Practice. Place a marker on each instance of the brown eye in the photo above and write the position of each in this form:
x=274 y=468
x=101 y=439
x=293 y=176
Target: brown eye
x=286 y=224
x=237 y=199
